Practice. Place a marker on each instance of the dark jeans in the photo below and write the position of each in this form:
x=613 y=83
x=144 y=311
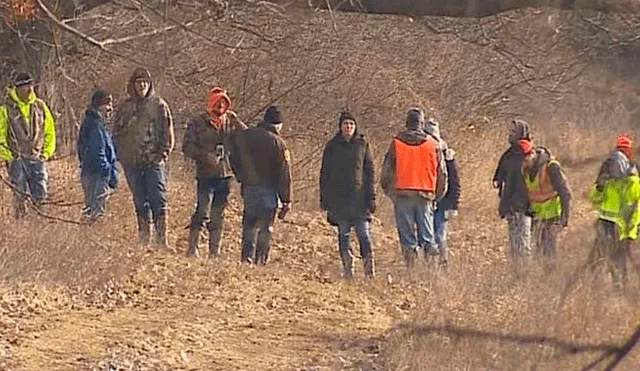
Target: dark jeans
x=148 y=187
x=440 y=228
x=260 y=206
x=363 y=232
x=96 y=192
x=213 y=196
x=30 y=178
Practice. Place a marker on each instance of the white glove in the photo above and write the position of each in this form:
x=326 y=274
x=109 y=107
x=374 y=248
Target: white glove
x=450 y=214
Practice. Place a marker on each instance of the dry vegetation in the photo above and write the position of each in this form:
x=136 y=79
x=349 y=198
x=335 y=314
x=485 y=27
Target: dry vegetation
x=77 y=297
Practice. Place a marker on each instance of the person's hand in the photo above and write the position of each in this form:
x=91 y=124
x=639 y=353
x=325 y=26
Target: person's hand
x=450 y=214
x=286 y=207
x=496 y=184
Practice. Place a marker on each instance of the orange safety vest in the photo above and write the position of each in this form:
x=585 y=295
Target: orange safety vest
x=540 y=189
x=416 y=166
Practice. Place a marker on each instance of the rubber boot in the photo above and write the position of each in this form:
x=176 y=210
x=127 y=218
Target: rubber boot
x=214 y=242
x=160 y=222
x=369 y=267
x=194 y=241
x=144 y=229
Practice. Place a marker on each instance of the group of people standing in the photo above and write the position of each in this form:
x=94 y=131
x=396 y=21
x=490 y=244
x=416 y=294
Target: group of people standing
x=419 y=174
x=535 y=199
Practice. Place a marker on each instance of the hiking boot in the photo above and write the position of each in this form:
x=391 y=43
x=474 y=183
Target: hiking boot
x=161 y=230
x=194 y=240
x=144 y=229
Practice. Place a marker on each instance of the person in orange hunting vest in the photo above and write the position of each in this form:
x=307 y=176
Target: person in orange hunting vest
x=549 y=196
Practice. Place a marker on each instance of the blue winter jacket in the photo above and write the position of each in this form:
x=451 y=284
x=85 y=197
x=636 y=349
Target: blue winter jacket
x=96 y=151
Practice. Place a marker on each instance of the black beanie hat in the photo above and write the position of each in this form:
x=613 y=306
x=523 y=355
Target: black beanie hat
x=415 y=118
x=345 y=115
x=273 y=115
x=22 y=79
x=100 y=97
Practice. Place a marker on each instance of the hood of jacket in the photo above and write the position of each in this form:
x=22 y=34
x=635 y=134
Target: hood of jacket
x=413 y=137
x=138 y=73
x=13 y=95
x=519 y=130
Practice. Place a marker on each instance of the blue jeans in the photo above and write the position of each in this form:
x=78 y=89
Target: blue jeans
x=148 y=187
x=363 y=232
x=260 y=206
x=414 y=220
x=440 y=227
x=30 y=178
x=96 y=192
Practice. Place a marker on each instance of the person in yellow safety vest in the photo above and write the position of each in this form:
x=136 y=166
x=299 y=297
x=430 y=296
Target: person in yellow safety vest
x=615 y=195
x=27 y=141
x=549 y=197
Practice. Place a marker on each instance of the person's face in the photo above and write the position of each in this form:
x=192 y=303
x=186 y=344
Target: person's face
x=220 y=107
x=107 y=108
x=141 y=87
x=24 y=91
x=348 y=128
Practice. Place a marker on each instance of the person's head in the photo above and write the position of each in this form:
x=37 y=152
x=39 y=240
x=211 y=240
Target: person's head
x=102 y=101
x=415 y=119
x=519 y=130
x=529 y=151
x=432 y=127
x=347 y=125
x=141 y=82
x=625 y=144
x=218 y=102
x=24 y=84
x=273 y=117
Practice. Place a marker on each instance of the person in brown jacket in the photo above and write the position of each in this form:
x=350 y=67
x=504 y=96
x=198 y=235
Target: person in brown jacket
x=144 y=137
x=206 y=141
x=262 y=164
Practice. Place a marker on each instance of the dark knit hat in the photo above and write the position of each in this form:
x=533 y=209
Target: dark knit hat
x=100 y=97
x=344 y=116
x=22 y=79
x=273 y=115
x=415 y=118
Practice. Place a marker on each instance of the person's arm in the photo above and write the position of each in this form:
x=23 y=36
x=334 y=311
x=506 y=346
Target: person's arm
x=5 y=152
x=369 y=179
x=561 y=185
x=190 y=146
x=49 y=146
x=325 y=170
x=388 y=173
x=168 y=134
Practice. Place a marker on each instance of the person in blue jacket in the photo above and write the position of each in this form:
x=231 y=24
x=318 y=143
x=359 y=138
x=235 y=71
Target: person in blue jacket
x=97 y=155
x=447 y=208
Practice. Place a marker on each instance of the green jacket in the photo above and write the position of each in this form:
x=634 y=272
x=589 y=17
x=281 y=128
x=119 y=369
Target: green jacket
x=617 y=202
x=43 y=144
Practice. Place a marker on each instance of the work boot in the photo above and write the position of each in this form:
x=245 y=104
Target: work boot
x=214 y=242
x=144 y=228
x=194 y=241
x=369 y=267
x=160 y=222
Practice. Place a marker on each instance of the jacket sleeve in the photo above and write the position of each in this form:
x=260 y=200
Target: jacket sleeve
x=49 y=146
x=325 y=169
x=237 y=124
x=454 y=184
x=190 y=146
x=388 y=173
x=97 y=150
x=168 y=134
x=81 y=145
x=5 y=152
x=284 y=184
x=498 y=175
x=560 y=184
x=369 y=175
x=235 y=155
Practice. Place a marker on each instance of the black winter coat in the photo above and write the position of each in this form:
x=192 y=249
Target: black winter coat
x=347 y=186
x=452 y=198
x=514 y=197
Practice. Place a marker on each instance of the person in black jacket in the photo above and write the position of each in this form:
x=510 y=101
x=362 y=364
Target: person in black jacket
x=447 y=208
x=97 y=156
x=347 y=191
x=512 y=190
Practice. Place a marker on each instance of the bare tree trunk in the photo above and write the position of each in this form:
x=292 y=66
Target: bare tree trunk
x=466 y=8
